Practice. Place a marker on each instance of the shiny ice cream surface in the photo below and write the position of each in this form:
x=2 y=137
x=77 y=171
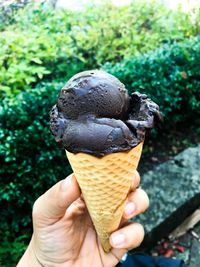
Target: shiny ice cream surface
x=94 y=114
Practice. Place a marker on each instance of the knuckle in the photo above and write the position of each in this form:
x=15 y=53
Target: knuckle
x=36 y=208
x=61 y=202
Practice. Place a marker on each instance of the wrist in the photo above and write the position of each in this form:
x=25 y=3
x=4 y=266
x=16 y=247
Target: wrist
x=29 y=258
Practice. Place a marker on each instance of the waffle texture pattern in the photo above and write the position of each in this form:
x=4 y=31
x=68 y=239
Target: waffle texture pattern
x=105 y=183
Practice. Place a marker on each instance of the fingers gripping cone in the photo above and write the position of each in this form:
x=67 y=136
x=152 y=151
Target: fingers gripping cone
x=105 y=183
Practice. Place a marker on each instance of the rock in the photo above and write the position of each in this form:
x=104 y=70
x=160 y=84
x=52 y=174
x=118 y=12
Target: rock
x=195 y=250
x=174 y=191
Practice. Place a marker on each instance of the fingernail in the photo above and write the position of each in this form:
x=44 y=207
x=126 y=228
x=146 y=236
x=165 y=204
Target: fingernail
x=118 y=240
x=129 y=208
x=66 y=183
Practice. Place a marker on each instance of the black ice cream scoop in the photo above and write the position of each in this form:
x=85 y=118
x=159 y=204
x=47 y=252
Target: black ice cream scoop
x=94 y=114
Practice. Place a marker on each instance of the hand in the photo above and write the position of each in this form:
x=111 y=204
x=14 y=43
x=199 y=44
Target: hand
x=64 y=235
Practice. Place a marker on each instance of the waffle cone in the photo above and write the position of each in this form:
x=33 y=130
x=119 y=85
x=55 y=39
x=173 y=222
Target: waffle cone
x=105 y=183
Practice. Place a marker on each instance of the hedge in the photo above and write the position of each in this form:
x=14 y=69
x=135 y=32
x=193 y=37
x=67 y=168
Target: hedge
x=30 y=159
x=45 y=44
x=170 y=75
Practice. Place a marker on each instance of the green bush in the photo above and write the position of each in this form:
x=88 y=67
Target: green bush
x=34 y=52
x=12 y=247
x=30 y=160
x=170 y=75
x=41 y=48
x=52 y=44
x=29 y=157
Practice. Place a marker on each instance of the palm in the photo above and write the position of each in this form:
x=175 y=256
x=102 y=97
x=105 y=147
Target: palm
x=75 y=240
x=64 y=235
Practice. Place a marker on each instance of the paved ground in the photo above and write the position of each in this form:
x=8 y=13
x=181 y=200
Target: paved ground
x=173 y=189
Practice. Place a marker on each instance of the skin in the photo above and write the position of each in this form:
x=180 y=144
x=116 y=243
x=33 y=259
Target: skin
x=64 y=235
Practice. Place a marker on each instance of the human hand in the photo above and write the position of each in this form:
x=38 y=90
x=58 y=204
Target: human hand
x=64 y=235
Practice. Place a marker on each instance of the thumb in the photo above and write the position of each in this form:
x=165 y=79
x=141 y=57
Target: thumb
x=52 y=205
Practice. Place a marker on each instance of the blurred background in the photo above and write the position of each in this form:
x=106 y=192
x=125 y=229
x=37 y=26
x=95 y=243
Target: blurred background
x=152 y=46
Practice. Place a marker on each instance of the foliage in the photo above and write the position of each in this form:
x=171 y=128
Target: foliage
x=28 y=54
x=30 y=160
x=170 y=75
x=12 y=248
x=48 y=44
x=41 y=48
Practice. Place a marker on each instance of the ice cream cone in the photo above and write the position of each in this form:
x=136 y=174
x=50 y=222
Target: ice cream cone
x=105 y=183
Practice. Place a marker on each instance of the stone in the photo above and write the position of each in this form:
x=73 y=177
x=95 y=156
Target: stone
x=195 y=250
x=174 y=192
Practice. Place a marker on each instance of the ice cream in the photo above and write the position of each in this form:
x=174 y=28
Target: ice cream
x=102 y=129
x=94 y=114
